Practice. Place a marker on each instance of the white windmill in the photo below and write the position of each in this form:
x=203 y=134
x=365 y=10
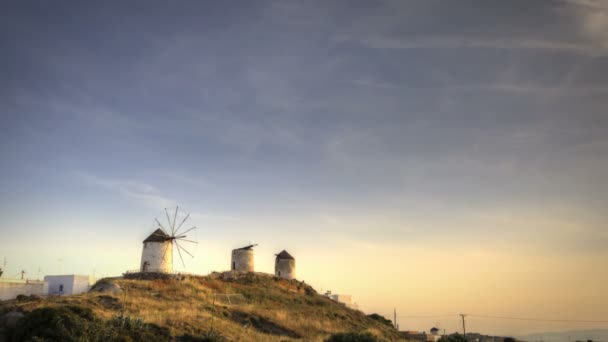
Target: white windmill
x=157 y=253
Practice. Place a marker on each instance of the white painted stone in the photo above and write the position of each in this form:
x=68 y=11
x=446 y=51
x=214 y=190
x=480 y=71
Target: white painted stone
x=11 y=288
x=157 y=257
x=285 y=268
x=242 y=260
x=71 y=284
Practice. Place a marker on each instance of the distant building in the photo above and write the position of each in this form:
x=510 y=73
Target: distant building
x=434 y=336
x=344 y=299
x=11 y=288
x=66 y=284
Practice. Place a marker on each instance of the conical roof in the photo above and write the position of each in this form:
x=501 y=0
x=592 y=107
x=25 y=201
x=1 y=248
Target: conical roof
x=285 y=255
x=158 y=236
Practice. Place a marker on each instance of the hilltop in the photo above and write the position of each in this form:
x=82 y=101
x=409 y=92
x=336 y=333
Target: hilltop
x=261 y=308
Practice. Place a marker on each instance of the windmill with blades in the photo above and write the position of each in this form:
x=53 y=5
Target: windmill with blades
x=157 y=253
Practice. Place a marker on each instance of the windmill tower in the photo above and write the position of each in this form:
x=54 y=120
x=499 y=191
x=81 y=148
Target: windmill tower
x=157 y=253
x=285 y=266
x=242 y=259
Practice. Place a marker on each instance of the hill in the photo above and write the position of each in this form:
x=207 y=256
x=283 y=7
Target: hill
x=260 y=307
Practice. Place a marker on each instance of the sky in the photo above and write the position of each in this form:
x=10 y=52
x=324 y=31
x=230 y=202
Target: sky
x=430 y=156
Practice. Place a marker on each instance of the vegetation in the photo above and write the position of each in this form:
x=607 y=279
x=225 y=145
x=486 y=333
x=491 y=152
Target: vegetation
x=352 y=337
x=453 y=338
x=191 y=308
x=381 y=319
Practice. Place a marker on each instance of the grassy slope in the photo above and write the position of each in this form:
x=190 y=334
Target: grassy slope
x=275 y=309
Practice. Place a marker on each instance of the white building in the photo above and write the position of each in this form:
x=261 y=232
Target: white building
x=346 y=300
x=157 y=253
x=66 y=284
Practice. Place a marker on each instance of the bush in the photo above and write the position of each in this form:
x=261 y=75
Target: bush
x=352 y=337
x=453 y=338
x=73 y=323
x=381 y=319
x=210 y=335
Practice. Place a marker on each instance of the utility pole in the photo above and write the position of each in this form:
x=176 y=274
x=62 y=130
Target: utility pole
x=395 y=318
x=464 y=329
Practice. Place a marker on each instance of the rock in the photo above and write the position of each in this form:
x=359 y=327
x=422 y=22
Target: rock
x=106 y=287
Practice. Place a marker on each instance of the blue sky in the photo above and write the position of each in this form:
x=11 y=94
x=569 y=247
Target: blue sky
x=323 y=127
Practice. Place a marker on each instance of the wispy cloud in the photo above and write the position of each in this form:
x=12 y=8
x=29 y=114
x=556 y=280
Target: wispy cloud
x=141 y=192
x=464 y=42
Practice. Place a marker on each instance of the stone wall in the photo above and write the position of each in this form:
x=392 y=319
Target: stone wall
x=285 y=268
x=242 y=260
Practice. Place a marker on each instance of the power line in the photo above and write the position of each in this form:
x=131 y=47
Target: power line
x=507 y=317
x=425 y=316
x=539 y=319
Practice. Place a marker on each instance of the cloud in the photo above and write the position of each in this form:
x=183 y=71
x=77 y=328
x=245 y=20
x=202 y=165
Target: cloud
x=143 y=193
x=593 y=21
x=435 y=42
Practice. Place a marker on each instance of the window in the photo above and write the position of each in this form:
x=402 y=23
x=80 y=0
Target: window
x=61 y=288
x=279 y=273
x=233 y=265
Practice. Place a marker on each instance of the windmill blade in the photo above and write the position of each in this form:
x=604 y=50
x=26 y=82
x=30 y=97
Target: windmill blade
x=161 y=226
x=174 y=218
x=180 y=239
x=180 y=257
x=180 y=225
x=183 y=249
x=183 y=235
x=169 y=220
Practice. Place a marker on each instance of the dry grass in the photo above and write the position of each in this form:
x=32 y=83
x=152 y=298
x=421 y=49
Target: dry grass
x=276 y=309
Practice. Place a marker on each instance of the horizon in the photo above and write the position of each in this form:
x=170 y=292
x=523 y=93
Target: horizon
x=437 y=159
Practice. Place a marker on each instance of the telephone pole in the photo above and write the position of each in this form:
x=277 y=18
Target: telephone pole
x=395 y=318
x=464 y=329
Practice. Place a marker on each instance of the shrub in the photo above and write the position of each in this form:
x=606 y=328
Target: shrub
x=57 y=324
x=352 y=337
x=453 y=338
x=73 y=323
x=210 y=335
x=381 y=319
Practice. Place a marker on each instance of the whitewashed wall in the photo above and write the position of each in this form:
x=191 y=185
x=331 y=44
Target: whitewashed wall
x=285 y=268
x=72 y=284
x=158 y=255
x=11 y=288
x=242 y=260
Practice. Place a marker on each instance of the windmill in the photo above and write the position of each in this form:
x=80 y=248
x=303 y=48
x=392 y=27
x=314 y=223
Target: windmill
x=157 y=255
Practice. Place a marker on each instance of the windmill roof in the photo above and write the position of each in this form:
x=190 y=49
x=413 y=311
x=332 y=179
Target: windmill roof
x=285 y=255
x=157 y=236
x=245 y=248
